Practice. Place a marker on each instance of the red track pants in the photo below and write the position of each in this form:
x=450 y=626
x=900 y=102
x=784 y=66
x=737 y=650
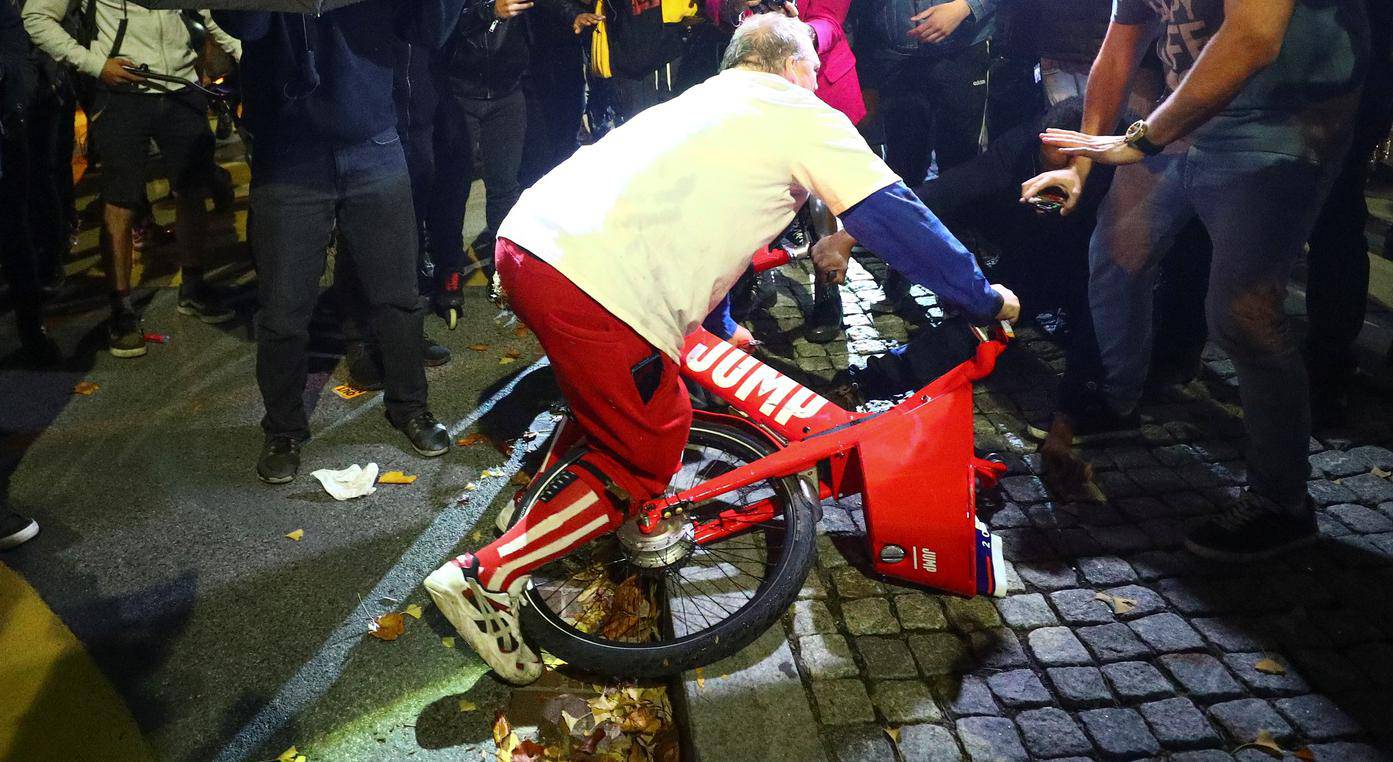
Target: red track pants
x=626 y=396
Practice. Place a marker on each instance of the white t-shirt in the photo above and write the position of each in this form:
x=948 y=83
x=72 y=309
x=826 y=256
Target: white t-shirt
x=658 y=219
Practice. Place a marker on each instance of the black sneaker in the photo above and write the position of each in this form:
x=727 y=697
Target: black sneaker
x=15 y=530
x=279 y=461
x=428 y=436
x=364 y=367
x=125 y=337
x=1252 y=528
x=204 y=304
x=825 y=324
x=434 y=353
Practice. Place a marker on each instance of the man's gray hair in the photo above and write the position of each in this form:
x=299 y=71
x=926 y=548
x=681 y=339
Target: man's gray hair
x=767 y=42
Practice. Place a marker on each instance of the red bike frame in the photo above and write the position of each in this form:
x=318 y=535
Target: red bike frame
x=913 y=465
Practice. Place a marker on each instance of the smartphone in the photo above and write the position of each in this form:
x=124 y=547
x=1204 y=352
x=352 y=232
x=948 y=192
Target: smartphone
x=1049 y=200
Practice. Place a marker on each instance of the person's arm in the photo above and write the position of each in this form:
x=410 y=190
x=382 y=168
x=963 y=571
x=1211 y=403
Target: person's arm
x=230 y=45
x=894 y=224
x=580 y=17
x=938 y=22
x=246 y=26
x=43 y=20
x=1109 y=81
x=1247 y=42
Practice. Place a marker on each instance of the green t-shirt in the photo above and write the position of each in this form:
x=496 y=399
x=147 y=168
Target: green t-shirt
x=1302 y=105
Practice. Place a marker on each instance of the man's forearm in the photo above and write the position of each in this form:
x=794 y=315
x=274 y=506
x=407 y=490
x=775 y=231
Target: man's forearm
x=1110 y=80
x=43 y=21
x=1247 y=42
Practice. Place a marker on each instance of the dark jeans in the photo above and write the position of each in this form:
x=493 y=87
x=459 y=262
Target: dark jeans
x=1337 y=281
x=18 y=260
x=1258 y=209
x=555 y=93
x=934 y=106
x=299 y=194
x=51 y=209
x=497 y=126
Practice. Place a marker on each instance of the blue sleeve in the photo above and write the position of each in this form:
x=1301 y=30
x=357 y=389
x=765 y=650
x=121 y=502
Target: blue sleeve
x=719 y=321
x=895 y=224
x=981 y=8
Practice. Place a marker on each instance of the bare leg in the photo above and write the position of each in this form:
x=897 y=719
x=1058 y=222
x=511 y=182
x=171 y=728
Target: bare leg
x=118 y=227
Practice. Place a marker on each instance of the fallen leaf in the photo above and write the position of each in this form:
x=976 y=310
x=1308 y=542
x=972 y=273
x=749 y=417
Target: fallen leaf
x=297 y=535
x=387 y=626
x=86 y=388
x=569 y=721
x=396 y=477
x=414 y=611
x=894 y=734
x=480 y=347
x=520 y=331
x=1119 y=604
x=447 y=642
x=701 y=679
x=528 y=751
x=465 y=705
x=288 y=755
x=1266 y=744
x=513 y=353
x=1380 y=473
x=349 y=392
x=507 y=360
x=1304 y=754
x=1269 y=667
x=470 y=487
x=472 y=439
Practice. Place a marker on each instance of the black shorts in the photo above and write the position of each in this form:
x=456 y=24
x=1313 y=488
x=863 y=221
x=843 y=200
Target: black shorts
x=121 y=127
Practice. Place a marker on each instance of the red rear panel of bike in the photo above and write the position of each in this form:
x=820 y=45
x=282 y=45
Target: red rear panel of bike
x=920 y=513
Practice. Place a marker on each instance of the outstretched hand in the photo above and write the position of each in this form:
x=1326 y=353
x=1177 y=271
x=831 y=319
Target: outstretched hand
x=1104 y=149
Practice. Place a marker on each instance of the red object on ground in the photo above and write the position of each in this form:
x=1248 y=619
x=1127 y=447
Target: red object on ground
x=157 y=338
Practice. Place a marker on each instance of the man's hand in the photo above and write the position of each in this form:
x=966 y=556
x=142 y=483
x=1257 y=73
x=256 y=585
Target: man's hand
x=742 y=338
x=584 y=21
x=831 y=255
x=1104 y=149
x=113 y=75
x=940 y=21
x=1069 y=180
x=789 y=8
x=506 y=9
x=1010 y=305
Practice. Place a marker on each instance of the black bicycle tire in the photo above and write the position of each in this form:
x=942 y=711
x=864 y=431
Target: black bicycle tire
x=542 y=628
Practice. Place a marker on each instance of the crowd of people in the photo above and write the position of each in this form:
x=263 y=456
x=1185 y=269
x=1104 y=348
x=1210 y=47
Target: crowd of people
x=1125 y=163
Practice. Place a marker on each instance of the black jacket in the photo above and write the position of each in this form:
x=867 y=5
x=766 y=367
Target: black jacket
x=485 y=57
x=329 y=78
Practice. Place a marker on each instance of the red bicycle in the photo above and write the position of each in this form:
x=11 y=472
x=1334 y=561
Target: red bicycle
x=699 y=573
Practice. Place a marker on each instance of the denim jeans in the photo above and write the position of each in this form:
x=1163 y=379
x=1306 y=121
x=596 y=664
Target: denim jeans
x=1258 y=209
x=495 y=127
x=300 y=193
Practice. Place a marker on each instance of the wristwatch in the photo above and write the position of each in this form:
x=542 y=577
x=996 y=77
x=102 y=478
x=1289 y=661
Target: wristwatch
x=1136 y=137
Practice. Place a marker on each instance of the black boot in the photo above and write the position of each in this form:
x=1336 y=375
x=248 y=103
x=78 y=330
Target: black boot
x=896 y=288
x=825 y=324
x=364 y=366
x=434 y=353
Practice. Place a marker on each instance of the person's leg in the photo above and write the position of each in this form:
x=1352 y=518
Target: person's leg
x=501 y=131
x=1145 y=209
x=18 y=259
x=182 y=133
x=48 y=213
x=957 y=91
x=1178 y=312
x=904 y=118
x=120 y=130
x=379 y=232
x=454 y=174
x=293 y=197
x=1238 y=196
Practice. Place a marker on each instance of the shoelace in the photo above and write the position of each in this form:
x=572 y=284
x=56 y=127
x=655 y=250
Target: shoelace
x=492 y=620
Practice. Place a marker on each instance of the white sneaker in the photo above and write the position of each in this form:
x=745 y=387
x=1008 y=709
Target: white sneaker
x=487 y=621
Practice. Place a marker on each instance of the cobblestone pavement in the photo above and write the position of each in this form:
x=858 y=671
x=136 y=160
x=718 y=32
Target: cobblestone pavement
x=1194 y=660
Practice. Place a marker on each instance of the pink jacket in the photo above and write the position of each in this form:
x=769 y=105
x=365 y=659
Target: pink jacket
x=837 y=83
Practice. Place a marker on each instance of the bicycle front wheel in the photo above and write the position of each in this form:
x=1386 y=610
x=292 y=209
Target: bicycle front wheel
x=641 y=606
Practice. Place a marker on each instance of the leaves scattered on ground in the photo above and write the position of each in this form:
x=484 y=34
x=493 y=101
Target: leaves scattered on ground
x=620 y=723
x=1269 y=667
x=472 y=439
x=1119 y=604
x=396 y=477
x=86 y=388
x=480 y=347
x=387 y=626
x=297 y=535
x=1268 y=745
x=292 y=755
x=413 y=611
x=448 y=642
